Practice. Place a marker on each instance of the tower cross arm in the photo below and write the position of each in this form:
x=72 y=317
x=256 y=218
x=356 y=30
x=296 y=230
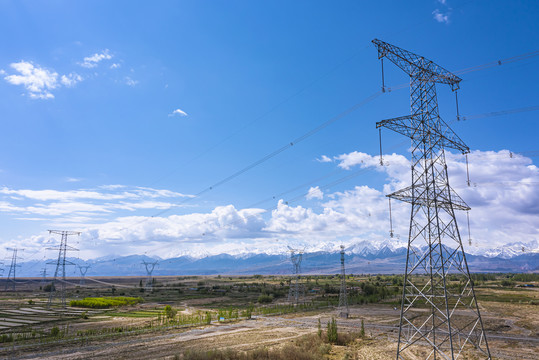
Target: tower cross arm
x=446 y=137
x=415 y=65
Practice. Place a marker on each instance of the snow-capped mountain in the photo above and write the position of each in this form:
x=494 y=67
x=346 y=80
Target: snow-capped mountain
x=364 y=257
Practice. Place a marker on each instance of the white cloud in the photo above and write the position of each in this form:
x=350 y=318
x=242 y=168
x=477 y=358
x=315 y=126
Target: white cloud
x=71 y=179
x=324 y=159
x=95 y=59
x=39 y=82
x=441 y=17
x=71 y=79
x=442 y=2
x=503 y=197
x=314 y=193
x=178 y=112
x=96 y=203
x=115 y=66
x=130 y=82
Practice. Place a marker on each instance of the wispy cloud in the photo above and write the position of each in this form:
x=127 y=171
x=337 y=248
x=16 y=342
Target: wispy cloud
x=71 y=79
x=178 y=112
x=92 y=61
x=441 y=17
x=129 y=81
x=324 y=159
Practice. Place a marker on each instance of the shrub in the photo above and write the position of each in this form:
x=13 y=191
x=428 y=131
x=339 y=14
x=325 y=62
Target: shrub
x=170 y=313
x=55 y=331
x=265 y=299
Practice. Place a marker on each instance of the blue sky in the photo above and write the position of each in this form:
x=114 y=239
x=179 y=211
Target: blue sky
x=115 y=114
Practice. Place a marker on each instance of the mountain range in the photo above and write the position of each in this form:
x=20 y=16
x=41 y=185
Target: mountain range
x=361 y=258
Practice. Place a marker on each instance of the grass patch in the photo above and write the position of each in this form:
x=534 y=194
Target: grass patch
x=105 y=302
x=134 y=314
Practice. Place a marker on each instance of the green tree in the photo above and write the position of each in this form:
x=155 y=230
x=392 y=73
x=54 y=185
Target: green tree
x=362 y=332
x=319 y=328
x=332 y=331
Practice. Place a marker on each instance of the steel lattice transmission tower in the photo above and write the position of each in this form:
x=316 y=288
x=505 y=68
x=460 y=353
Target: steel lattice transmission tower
x=12 y=275
x=149 y=270
x=43 y=276
x=61 y=263
x=452 y=319
x=343 y=296
x=83 y=269
x=295 y=289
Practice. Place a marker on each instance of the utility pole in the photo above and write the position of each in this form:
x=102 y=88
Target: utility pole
x=452 y=322
x=61 y=265
x=83 y=269
x=12 y=275
x=149 y=270
x=343 y=296
x=294 y=292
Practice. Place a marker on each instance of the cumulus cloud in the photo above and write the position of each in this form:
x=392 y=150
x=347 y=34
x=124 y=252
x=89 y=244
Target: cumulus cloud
x=502 y=194
x=178 y=112
x=39 y=82
x=314 y=193
x=441 y=17
x=93 y=60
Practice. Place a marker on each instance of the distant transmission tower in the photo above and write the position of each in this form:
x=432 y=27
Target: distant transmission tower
x=149 y=270
x=295 y=290
x=434 y=246
x=83 y=269
x=12 y=275
x=43 y=276
x=343 y=296
x=61 y=265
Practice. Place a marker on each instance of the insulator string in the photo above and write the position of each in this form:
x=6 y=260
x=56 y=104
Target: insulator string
x=467 y=171
x=390 y=219
x=457 y=102
x=380 y=139
x=469 y=233
x=383 y=82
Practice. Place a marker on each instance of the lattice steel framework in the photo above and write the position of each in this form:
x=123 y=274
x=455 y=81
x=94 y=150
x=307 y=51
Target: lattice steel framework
x=445 y=319
x=61 y=263
x=83 y=269
x=150 y=266
x=12 y=275
x=295 y=289
x=343 y=295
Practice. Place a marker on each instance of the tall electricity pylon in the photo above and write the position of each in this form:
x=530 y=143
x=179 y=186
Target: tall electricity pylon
x=83 y=269
x=149 y=270
x=294 y=292
x=452 y=319
x=343 y=296
x=61 y=265
x=12 y=275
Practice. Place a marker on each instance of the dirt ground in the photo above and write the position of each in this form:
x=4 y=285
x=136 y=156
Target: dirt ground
x=275 y=331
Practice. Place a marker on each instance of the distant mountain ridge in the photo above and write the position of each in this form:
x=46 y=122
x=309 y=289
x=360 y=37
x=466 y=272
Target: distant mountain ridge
x=383 y=258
